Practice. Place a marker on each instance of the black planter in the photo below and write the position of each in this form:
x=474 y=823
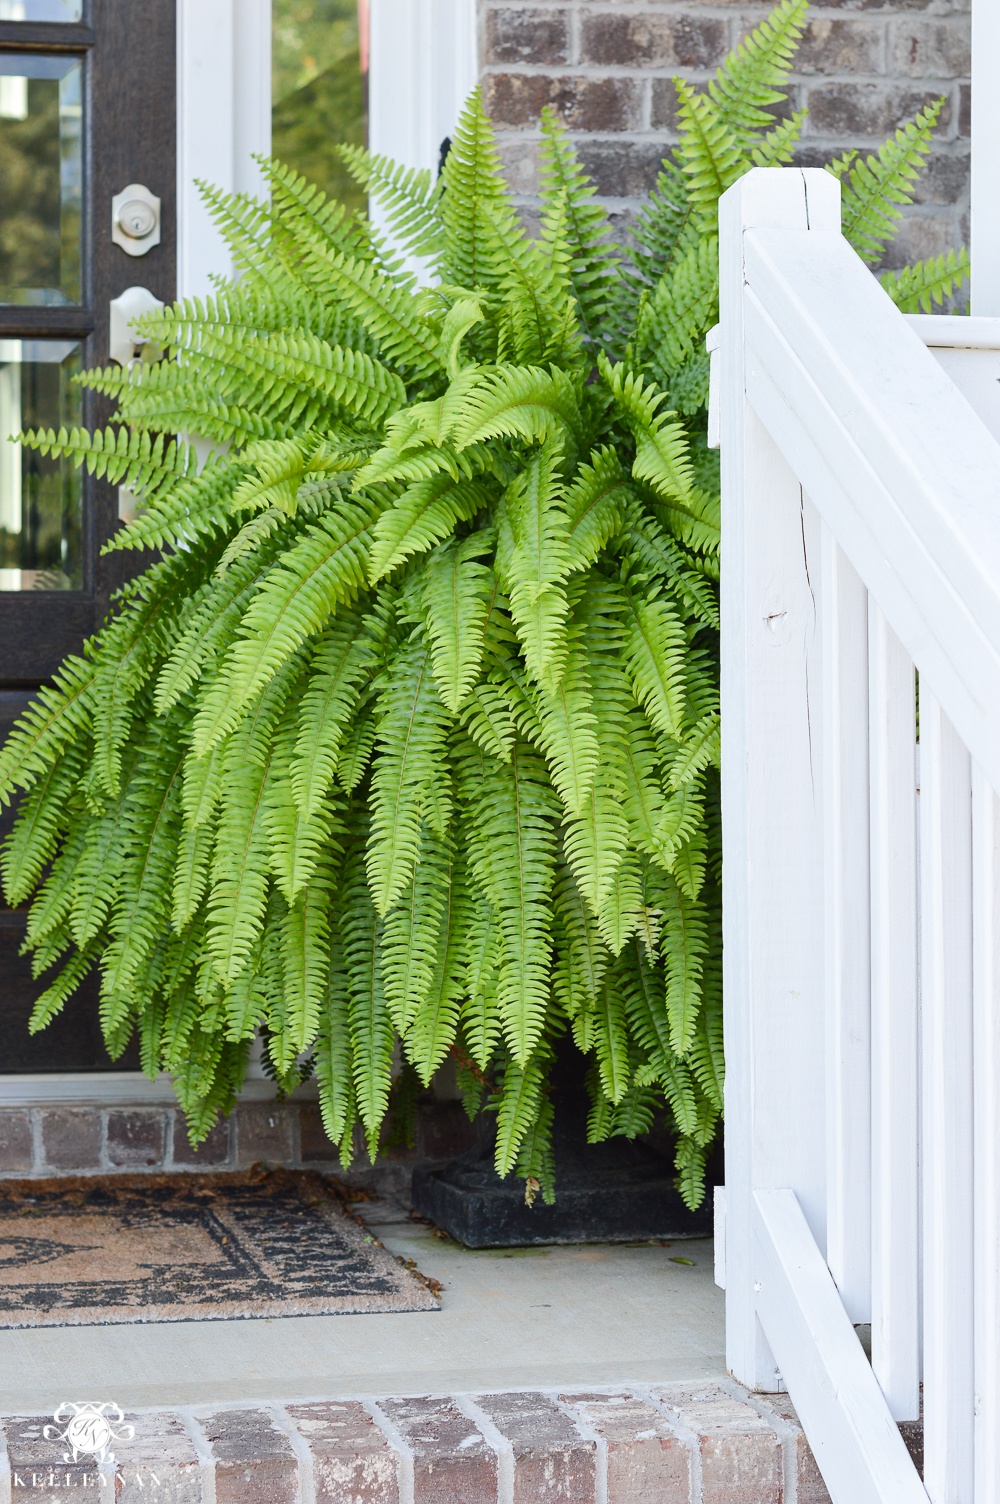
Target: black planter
x=618 y=1191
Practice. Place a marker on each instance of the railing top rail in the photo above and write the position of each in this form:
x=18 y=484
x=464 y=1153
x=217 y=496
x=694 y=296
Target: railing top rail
x=902 y=469
x=944 y=331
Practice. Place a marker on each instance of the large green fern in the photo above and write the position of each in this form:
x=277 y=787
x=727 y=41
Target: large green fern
x=392 y=745
x=411 y=736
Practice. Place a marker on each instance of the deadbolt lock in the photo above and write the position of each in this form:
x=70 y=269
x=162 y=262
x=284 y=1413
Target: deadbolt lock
x=135 y=220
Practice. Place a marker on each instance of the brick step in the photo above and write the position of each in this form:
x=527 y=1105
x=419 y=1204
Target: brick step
x=707 y=1443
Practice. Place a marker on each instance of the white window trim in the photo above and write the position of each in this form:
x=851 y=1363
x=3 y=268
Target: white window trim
x=223 y=122
x=423 y=66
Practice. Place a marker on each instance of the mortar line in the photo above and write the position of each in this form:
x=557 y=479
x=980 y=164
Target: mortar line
x=401 y=1447
x=685 y=1433
x=299 y=1445
x=501 y=1444
x=589 y=1433
x=203 y=1451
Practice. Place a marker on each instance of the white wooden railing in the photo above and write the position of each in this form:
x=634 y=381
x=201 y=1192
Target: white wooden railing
x=861 y=542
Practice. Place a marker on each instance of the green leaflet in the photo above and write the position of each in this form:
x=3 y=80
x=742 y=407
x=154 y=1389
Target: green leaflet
x=294 y=601
x=305 y=953
x=433 y=1026
x=32 y=844
x=518 y=1110
x=411 y=738
x=340 y=665
x=537 y=564
x=458 y=595
x=512 y=854
x=333 y=1052
x=412 y=935
x=479 y=1012
x=426 y=512
x=370 y=1023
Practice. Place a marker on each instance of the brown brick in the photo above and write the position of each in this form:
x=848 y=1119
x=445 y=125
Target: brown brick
x=935 y=48
x=944 y=180
x=264 y=1133
x=646 y=1458
x=740 y=1452
x=313 y=1142
x=136 y=1138
x=15 y=1140
x=622 y=169
x=352 y=1461
x=665 y=114
x=162 y=1448
x=551 y=1459
x=519 y=161
x=527 y=36
x=835 y=46
x=254 y=1461
x=451 y=1462
x=879 y=5
x=867 y=110
x=71 y=1138
x=810 y=1488
x=214 y=1150
x=33 y=1460
x=443 y=1130
x=918 y=236
x=636 y=41
x=583 y=104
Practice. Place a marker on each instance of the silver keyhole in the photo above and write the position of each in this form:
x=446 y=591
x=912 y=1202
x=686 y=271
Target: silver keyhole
x=135 y=219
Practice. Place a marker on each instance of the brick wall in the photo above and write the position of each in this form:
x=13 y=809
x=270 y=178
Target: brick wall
x=69 y=1139
x=863 y=68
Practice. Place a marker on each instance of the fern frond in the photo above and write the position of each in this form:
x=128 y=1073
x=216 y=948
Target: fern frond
x=471 y=183
x=411 y=735
x=341 y=663
x=575 y=227
x=872 y=189
x=425 y=513
x=408 y=197
x=370 y=1021
x=916 y=288
x=57 y=716
x=512 y=849
x=457 y=597
x=750 y=80
x=523 y=1087
x=661 y=451
x=325 y=569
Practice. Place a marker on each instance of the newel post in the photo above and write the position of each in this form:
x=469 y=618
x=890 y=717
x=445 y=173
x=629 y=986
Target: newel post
x=773 y=912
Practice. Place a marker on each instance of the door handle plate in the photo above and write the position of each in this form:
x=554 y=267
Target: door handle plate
x=135 y=219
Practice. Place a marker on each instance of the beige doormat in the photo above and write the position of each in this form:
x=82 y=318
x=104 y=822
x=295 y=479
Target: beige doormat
x=122 y=1248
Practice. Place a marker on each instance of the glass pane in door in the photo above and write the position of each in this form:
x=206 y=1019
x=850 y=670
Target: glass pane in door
x=318 y=91
x=40 y=497
x=40 y=179
x=41 y=10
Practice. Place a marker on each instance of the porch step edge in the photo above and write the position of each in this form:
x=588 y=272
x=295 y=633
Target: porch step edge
x=710 y=1441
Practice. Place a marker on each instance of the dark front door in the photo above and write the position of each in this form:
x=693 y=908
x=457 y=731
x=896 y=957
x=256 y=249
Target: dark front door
x=87 y=108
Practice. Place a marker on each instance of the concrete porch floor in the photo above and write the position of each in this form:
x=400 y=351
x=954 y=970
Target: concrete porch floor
x=597 y=1314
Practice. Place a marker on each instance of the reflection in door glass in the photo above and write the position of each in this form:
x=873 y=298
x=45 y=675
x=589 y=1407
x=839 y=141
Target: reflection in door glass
x=40 y=179
x=41 y=10
x=39 y=496
x=319 y=93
